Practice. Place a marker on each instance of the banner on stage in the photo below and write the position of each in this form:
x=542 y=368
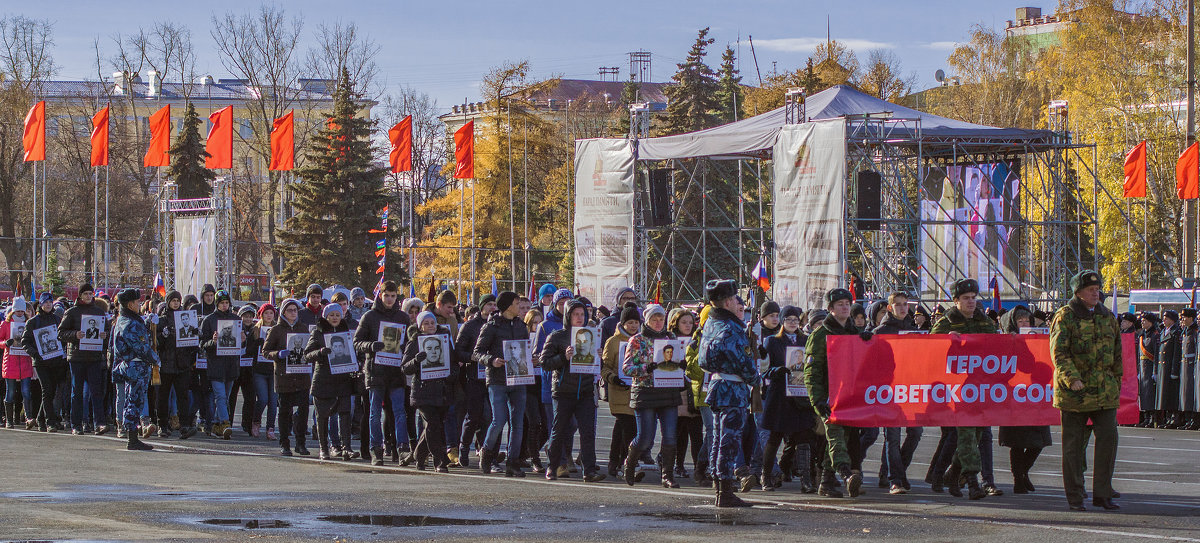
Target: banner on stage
x=935 y=380
x=810 y=196
x=604 y=192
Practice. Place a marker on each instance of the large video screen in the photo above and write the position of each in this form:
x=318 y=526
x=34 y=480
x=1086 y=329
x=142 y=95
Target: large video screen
x=967 y=216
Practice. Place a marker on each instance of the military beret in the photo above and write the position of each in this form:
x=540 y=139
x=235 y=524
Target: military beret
x=833 y=296
x=1084 y=279
x=1170 y=314
x=1188 y=312
x=720 y=289
x=965 y=286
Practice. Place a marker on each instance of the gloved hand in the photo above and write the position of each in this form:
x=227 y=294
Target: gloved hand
x=822 y=409
x=284 y=354
x=8 y=342
x=866 y=335
x=777 y=372
x=152 y=318
x=762 y=351
x=377 y=346
x=420 y=356
x=166 y=332
x=325 y=351
x=651 y=366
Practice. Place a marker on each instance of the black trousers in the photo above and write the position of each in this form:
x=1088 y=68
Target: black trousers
x=1075 y=437
x=56 y=381
x=179 y=382
x=288 y=425
x=624 y=429
x=433 y=436
x=476 y=422
x=688 y=429
x=326 y=408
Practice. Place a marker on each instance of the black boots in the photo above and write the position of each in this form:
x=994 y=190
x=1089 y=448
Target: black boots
x=852 y=480
x=632 y=475
x=951 y=480
x=975 y=491
x=285 y=447
x=487 y=459
x=136 y=444
x=1106 y=503
x=10 y=413
x=828 y=486
x=806 y=478
x=700 y=474
x=377 y=456
x=726 y=497
x=668 y=469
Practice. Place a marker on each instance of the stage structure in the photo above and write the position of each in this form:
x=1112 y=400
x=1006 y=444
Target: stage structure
x=838 y=185
x=194 y=239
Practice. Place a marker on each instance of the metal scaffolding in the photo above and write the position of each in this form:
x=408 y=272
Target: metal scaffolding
x=219 y=206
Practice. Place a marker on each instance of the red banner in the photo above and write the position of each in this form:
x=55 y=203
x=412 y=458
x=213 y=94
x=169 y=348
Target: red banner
x=220 y=140
x=283 y=144
x=935 y=380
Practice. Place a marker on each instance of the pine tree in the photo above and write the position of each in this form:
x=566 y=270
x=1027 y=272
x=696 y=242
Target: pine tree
x=337 y=202
x=629 y=96
x=54 y=279
x=187 y=164
x=729 y=91
x=691 y=100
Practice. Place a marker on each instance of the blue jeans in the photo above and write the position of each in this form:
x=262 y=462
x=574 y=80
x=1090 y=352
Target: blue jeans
x=399 y=417
x=26 y=395
x=90 y=374
x=220 y=400
x=896 y=455
x=648 y=419
x=264 y=387
x=985 y=456
x=566 y=413
x=508 y=407
x=760 y=444
x=706 y=416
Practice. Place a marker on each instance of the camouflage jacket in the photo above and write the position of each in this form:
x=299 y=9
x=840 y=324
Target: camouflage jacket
x=1086 y=345
x=724 y=349
x=816 y=364
x=955 y=321
x=131 y=340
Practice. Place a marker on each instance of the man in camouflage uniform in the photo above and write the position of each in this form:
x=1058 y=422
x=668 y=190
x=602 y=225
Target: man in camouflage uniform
x=133 y=358
x=1085 y=345
x=965 y=317
x=724 y=353
x=816 y=378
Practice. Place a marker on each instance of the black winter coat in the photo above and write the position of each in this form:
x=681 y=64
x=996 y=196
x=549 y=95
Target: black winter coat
x=72 y=323
x=430 y=392
x=468 y=336
x=490 y=346
x=261 y=368
x=564 y=384
x=365 y=336
x=39 y=321
x=220 y=368
x=324 y=383
x=782 y=413
x=174 y=359
x=276 y=342
x=891 y=325
x=648 y=397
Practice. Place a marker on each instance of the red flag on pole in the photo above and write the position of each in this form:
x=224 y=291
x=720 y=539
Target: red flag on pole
x=283 y=144
x=1187 y=171
x=401 y=138
x=220 y=140
x=34 y=141
x=1135 y=171
x=100 y=138
x=464 y=152
x=159 y=153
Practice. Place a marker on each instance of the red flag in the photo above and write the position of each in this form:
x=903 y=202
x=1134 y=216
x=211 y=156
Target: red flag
x=100 y=138
x=401 y=138
x=159 y=153
x=464 y=151
x=220 y=140
x=283 y=144
x=1187 y=186
x=432 y=291
x=34 y=142
x=1135 y=171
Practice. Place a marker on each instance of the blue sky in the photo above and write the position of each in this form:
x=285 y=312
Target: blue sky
x=443 y=48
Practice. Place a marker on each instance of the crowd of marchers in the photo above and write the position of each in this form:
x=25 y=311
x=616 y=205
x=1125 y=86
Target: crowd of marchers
x=350 y=368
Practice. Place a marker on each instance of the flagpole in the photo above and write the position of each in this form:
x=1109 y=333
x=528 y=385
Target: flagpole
x=95 y=217
x=512 y=225
x=46 y=237
x=107 y=179
x=33 y=265
x=525 y=185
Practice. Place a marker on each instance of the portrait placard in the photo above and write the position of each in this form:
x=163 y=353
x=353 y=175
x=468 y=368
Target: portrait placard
x=92 y=327
x=341 y=354
x=187 y=331
x=229 y=338
x=437 y=356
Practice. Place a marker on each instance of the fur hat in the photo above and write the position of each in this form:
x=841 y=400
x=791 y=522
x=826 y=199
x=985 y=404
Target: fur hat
x=128 y=295
x=836 y=295
x=965 y=286
x=720 y=289
x=1084 y=279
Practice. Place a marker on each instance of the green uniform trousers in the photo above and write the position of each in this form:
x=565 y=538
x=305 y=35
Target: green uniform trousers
x=967 y=450
x=1075 y=437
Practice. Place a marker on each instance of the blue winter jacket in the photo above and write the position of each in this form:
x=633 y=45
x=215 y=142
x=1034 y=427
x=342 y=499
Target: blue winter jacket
x=552 y=323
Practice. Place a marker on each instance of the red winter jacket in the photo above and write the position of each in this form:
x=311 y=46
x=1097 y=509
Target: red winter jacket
x=15 y=366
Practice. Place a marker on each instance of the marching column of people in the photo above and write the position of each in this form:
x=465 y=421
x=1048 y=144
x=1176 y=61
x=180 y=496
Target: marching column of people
x=419 y=383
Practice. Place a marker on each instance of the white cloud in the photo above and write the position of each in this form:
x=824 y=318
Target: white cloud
x=807 y=45
x=941 y=45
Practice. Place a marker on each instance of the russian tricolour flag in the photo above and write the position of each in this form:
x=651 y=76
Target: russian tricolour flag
x=159 y=287
x=760 y=275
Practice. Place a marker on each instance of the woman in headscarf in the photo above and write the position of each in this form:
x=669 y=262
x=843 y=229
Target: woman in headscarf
x=1025 y=442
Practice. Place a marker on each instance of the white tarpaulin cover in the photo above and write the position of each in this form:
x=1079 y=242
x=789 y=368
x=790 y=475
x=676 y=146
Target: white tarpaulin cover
x=195 y=253
x=604 y=175
x=809 y=192
x=758 y=133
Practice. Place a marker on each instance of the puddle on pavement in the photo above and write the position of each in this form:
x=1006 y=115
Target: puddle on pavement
x=723 y=520
x=407 y=520
x=125 y=493
x=247 y=524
